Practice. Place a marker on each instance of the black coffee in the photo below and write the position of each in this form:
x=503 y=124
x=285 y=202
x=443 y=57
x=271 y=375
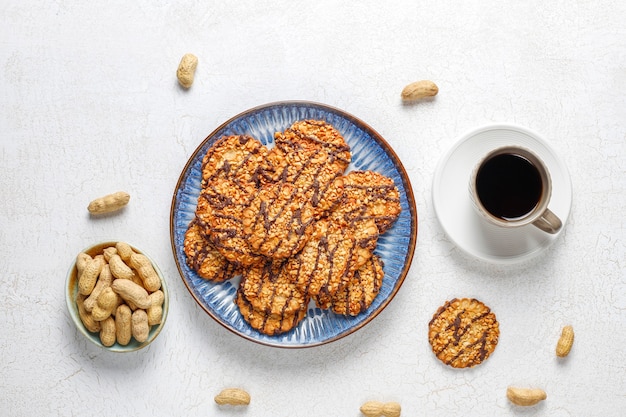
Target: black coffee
x=509 y=186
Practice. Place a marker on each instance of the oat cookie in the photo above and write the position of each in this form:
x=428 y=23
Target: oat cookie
x=369 y=195
x=238 y=157
x=271 y=289
x=463 y=332
x=230 y=179
x=268 y=324
x=312 y=155
x=328 y=260
x=308 y=139
x=326 y=156
x=204 y=258
x=315 y=134
x=366 y=233
x=356 y=297
x=309 y=159
x=278 y=221
x=220 y=206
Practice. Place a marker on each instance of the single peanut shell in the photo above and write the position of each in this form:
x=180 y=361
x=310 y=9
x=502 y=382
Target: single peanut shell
x=88 y=321
x=87 y=280
x=124 y=250
x=155 y=311
x=123 y=331
x=109 y=203
x=81 y=261
x=119 y=269
x=419 y=89
x=146 y=271
x=525 y=396
x=139 y=325
x=379 y=409
x=104 y=281
x=372 y=409
x=107 y=333
x=186 y=70
x=131 y=292
x=108 y=252
x=392 y=409
x=564 y=345
x=232 y=396
x=107 y=301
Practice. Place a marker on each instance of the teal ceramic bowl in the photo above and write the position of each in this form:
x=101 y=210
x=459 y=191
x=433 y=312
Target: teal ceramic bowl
x=71 y=292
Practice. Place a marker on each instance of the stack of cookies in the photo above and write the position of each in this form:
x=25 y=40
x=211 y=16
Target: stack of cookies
x=292 y=223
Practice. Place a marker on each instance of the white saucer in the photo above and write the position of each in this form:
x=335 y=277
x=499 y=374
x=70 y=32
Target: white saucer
x=458 y=217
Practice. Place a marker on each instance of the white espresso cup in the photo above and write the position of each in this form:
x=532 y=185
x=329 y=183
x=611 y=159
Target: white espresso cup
x=511 y=187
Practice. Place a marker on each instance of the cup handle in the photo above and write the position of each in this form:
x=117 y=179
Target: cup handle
x=548 y=222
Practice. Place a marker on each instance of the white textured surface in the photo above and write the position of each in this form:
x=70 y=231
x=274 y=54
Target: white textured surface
x=89 y=104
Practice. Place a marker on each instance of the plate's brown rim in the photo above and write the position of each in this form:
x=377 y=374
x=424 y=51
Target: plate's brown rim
x=409 y=196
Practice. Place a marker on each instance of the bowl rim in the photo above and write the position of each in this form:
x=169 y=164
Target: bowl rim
x=71 y=289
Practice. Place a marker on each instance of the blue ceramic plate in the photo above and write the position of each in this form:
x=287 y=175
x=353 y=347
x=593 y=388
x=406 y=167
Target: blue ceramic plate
x=369 y=152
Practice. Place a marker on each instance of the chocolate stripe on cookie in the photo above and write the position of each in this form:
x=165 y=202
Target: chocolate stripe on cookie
x=475 y=356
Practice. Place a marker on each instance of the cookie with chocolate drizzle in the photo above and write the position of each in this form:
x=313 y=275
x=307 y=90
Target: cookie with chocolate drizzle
x=463 y=332
x=239 y=157
x=220 y=207
x=204 y=258
x=369 y=195
x=270 y=288
x=267 y=323
x=231 y=174
x=278 y=221
x=312 y=155
x=356 y=297
x=308 y=160
x=328 y=260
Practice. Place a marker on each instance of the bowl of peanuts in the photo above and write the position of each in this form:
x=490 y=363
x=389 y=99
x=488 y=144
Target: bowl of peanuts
x=117 y=296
